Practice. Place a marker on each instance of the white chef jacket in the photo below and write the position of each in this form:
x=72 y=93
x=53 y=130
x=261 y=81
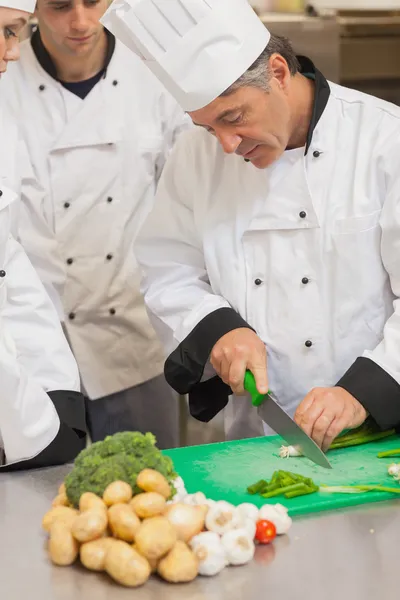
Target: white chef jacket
x=97 y=162
x=306 y=252
x=34 y=355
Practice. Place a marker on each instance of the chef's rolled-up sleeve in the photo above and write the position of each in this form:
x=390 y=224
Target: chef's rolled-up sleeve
x=374 y=378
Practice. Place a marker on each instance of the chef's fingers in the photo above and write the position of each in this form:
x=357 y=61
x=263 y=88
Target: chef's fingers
x=258 y=366
x=303 y=407
x=322 y=425
x=308 y=417
x=236 y=375
x=224 y=369
x=339 y=424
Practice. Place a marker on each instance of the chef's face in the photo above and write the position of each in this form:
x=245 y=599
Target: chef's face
x=251 y=122
x=71 y=27
x=11 y=23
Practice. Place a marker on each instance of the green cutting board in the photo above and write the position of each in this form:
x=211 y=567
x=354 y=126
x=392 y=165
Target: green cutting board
x=223 y=471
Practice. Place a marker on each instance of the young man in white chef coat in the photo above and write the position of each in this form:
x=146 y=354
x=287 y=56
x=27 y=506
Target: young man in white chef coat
x=99 y=127
x=275 y=241
x=42 y=413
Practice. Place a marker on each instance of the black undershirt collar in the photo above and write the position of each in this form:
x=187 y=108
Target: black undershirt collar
x=48 y=65
x=321 y=94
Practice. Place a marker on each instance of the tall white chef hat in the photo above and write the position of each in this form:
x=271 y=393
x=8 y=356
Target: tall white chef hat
x=196 y=48
x=26 y=5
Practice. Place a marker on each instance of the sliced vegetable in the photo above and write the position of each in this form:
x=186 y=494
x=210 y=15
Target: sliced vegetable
x=394 y=471
x=368 y=432
x=356 y=489
x=265 y=531
x=389 y=453
x=285 y=483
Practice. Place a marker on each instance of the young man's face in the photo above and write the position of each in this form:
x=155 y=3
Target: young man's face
x=71 y=27
x=251 y=122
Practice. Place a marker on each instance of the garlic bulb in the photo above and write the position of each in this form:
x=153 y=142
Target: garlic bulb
x=239 y=547
x=250 y=526
x=222 y=517
x=394 y=470
x=210 y=553
x=248 y=510
x=195 y=499
x=287 y=451
x=278 y=516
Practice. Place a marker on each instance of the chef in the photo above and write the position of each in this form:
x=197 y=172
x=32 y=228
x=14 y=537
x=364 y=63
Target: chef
x=275 y=240
x=98 y=127
x=42 y=416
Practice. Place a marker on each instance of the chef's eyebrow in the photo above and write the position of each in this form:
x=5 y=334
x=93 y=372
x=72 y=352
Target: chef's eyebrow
x=222 y=116
x=19 y=21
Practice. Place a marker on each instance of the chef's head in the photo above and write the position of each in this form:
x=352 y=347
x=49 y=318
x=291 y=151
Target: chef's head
x=14 y=15
x=70 y=27
x=220 y=63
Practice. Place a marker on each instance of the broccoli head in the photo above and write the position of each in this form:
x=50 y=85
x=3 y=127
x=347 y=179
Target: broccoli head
x=118 y=457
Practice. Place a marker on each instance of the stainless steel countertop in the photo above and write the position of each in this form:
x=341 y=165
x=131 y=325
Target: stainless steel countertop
x=352 y=555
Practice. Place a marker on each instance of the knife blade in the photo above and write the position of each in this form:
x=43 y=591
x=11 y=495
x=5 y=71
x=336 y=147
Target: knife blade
x=277 y=418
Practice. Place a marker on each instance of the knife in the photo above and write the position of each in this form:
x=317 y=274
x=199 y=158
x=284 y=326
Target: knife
x=278 y=419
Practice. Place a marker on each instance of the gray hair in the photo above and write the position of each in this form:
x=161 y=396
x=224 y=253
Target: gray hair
x=259 y=74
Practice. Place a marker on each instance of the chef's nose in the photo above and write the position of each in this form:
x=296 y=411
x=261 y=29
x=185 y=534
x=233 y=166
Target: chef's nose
x=80 y=19
x=12 y=52
x=230 y=142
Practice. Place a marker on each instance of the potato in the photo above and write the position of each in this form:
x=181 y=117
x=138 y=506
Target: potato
x=88 y=501
x=187 y=520
x=60 y=500
x=149 y=504
x=180 y=565
x=155 y=538
x=117 y=492
x=63 y=548
x=62 y=513
x=150 y=480
x=125 y=565
x=153 y=562
x=61 y=489
x=93 y=554
x=123 y=522
x=89 y=525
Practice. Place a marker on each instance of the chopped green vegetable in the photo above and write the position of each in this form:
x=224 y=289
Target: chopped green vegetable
x=389 y=453
x=284 y=483
x=121 y=456
x=256 y=488
x=356 y=489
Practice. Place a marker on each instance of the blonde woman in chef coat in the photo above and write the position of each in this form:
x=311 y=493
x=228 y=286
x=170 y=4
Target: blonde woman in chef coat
x=98 y=127
x=42 y=419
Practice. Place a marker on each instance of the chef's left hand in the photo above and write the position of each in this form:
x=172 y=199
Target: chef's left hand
x=325 y=412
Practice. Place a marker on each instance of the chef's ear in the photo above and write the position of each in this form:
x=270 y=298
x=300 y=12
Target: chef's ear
x=279 y=70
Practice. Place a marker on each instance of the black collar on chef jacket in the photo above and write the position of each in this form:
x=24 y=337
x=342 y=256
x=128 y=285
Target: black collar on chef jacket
x=48 y=65
x=321 y=94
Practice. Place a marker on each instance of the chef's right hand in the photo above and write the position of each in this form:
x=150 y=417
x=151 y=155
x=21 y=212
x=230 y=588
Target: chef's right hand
x=236 y=351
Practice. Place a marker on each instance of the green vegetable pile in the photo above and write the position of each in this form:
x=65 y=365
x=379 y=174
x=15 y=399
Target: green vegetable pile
x=284 y=483
x=118 y=457
x=292 y=485
x=366 y=433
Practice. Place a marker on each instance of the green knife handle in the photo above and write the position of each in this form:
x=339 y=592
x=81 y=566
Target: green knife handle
x=251 y=387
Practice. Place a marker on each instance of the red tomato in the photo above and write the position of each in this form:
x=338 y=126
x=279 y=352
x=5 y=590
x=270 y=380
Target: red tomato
x=265 y=531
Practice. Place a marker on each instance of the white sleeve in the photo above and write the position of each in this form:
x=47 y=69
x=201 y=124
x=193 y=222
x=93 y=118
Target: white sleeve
x=374 y=378
x=187 y=315
x=34 y=359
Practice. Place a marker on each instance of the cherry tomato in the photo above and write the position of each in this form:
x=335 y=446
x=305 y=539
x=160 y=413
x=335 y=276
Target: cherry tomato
x=265 y=531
